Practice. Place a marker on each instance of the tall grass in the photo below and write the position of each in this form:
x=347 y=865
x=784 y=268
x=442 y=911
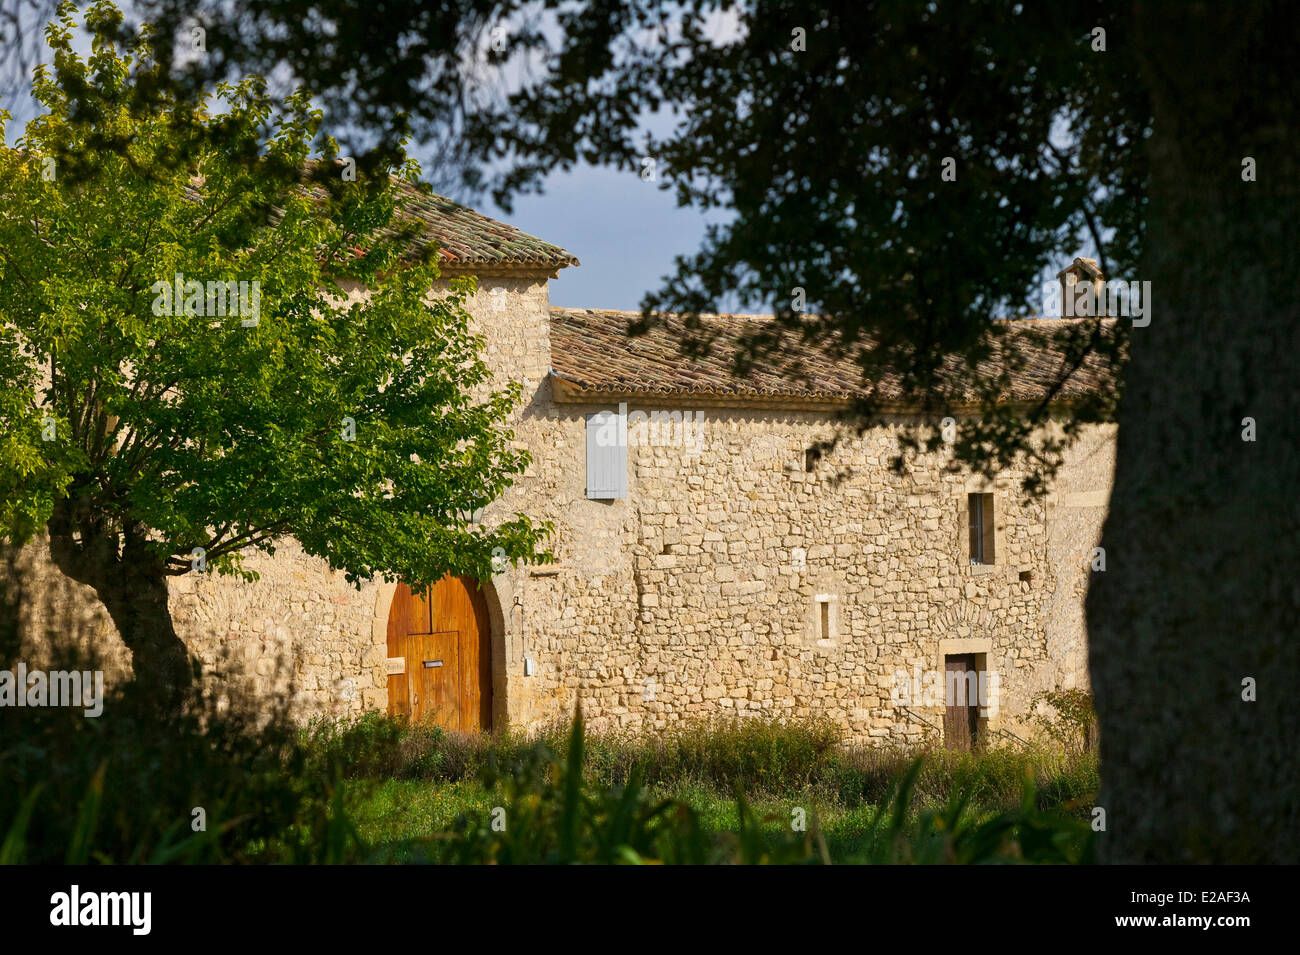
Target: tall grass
x=553 y=808
x=757 y=756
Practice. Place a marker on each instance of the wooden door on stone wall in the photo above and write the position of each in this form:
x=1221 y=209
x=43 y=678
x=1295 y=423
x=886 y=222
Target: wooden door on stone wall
x=962 y=710
x=440 y=655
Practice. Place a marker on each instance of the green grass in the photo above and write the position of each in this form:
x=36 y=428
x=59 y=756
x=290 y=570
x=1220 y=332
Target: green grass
x=391 y=815
x=394 y=815
x=764 y=758
x=701 y=792
x=373 y=789
x=761 y=756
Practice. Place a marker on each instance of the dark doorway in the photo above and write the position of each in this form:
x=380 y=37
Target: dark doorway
x=961 y=714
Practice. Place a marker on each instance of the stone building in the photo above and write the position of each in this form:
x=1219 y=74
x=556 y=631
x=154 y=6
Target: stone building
x=706 y=563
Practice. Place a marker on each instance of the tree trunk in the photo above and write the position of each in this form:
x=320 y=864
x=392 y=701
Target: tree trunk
x=1201 y=595
x=133 y=589
x=138 y=606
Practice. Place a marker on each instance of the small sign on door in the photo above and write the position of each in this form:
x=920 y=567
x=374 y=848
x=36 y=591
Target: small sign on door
x=432 y=663
x=396 y=666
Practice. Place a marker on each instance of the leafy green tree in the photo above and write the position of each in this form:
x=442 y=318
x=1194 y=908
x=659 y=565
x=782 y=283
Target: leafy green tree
x=153 y=434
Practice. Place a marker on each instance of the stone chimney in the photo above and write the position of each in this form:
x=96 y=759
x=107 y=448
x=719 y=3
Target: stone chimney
x=1076 y=278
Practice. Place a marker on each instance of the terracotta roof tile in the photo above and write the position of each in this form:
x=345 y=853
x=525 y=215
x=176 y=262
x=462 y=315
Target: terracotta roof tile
x=465 y=238
x=592 y=352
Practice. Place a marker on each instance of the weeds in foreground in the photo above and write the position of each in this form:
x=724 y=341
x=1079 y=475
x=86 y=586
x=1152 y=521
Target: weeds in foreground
x=544 y=808
x=552 y=812
x=763 y=757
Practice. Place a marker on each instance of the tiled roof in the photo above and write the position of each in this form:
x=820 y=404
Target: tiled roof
x=592 y=354
x=466 y=239
x=469 y=238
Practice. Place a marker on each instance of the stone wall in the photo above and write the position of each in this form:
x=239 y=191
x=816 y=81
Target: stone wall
x=690 y=597
x=698 y=594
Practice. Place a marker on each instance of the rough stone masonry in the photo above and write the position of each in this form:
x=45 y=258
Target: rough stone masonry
x=722 y=572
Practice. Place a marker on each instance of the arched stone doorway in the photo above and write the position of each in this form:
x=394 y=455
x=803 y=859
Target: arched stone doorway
x=441 y=655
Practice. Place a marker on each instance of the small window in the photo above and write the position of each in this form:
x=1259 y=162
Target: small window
x=824 y=622
x=980 y=522
x=607 y=455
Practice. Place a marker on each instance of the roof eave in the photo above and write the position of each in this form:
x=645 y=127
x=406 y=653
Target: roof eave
x=566 y=391
x=536 y=270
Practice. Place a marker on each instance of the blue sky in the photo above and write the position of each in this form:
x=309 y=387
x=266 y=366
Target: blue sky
x=625 y=232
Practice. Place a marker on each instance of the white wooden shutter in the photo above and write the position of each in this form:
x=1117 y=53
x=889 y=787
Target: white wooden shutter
x=606 y=455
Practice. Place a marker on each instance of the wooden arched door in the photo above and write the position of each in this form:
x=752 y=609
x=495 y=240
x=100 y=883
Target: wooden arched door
x=440 y=655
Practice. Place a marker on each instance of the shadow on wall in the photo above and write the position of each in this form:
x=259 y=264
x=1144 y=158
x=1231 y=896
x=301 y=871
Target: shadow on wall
x=51 y=623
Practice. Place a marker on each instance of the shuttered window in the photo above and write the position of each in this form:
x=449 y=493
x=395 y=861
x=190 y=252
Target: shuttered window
x=980 y=522
x=606 y=455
